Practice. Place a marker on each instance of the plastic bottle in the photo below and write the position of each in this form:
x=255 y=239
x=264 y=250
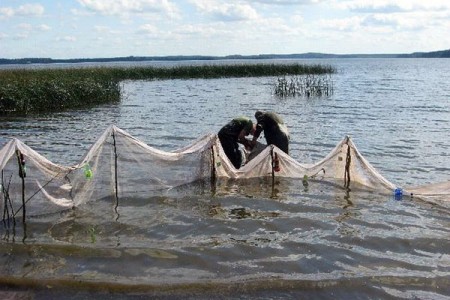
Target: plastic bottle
x=398 y=193
x=88 y=171
x=305 y=181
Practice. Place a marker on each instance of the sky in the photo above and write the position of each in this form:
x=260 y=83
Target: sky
x=116 y=28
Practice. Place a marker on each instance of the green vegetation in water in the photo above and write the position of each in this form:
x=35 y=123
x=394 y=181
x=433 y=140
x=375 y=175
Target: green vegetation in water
x=34 y=91
x=93 y=234
x=310 y=85
x=28 y=91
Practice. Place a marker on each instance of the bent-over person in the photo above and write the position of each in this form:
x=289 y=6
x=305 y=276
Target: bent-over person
x=233 y=133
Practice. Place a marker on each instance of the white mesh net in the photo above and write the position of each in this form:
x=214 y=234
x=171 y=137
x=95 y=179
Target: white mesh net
x=119 y=166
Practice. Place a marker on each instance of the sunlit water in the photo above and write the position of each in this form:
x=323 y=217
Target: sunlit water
x=246 y=239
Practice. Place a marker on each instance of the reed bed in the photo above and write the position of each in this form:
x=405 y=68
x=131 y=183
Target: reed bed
x=29 y=91
x=308 y=86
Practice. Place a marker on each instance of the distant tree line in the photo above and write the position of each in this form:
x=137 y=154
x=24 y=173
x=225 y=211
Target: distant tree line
x=309 y=55
x=434 y=54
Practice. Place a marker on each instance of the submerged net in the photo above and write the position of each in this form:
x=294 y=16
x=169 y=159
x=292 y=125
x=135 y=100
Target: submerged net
x=119 y=166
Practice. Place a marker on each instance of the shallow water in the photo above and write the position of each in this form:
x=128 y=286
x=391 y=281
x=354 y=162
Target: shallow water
x=252 y=238
x=397 y=111
x=240 y=240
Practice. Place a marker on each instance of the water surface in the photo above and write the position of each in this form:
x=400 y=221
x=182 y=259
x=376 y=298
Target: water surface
x=253 y=238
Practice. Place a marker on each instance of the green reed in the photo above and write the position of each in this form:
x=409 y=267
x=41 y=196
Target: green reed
x=310 y=85
x=32 y=91
x=28 y=91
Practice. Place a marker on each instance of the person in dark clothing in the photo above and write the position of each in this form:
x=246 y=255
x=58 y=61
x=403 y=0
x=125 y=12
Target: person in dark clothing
x=233 y=133
x=275 y=131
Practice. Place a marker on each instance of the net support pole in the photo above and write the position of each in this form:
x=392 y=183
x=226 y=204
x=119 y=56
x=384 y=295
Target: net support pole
x=116 y=185
x=22 y=174
x=213 y=167
x=7 y=201
x=213 y=171
x=273 y=165
x=348 y=161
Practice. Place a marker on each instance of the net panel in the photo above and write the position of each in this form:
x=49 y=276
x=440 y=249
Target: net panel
x=120 y=166
x=29 y=179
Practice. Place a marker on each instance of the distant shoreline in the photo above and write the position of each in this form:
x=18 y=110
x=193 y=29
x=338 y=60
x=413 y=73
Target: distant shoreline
x=434 y=54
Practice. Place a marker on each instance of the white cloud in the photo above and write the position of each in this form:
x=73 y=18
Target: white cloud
x=389 y=15
x=101 y=29
x=30 y=10
x=43 y=27
x=121 y=7
x=224 y=10
x=25 y=26
x=148 y=29
x=200 y=31
x=26 y=10
x=81 y=12
x=67 y=38
x=285 y=2
x=345 y=24
x=6 y=12
x=376 y=23
x=21 y=36
x=393 y=6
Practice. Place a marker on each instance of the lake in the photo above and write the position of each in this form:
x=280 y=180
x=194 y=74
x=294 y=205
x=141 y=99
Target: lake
x=249 y=240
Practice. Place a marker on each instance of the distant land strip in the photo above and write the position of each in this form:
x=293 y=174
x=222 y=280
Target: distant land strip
x=309 y=55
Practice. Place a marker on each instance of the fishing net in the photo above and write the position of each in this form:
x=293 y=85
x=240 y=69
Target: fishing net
x=119 y=167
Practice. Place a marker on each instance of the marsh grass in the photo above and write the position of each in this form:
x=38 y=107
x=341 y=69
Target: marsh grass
x=308 y=86
x=33 y=91
x=28 y=91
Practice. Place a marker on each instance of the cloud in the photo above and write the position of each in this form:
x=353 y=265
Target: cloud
x=201 y=31
x=81 y=12
x=148 y=29
x=345 y=24
x=26 y=10
x=30 y=10
x=376 y=23
x=123 y=7
x=67 y=38
x=43 y=27
x=225 y=11
x=27 y=28
x=393 y=6
x=6 y=12
x=394 y=21
x=21 y=36
x=101 y=29
x=389 y=16
x=286 y=2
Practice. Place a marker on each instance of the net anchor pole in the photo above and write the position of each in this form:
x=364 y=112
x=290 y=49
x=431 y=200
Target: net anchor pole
x=273 y=165
x=213 y=181
x=7 y=201
x=5 y=205
x=348 y=161
x=22 y=175
x=116 y=185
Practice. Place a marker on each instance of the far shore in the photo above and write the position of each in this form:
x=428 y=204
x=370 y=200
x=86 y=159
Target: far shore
x=309 y=55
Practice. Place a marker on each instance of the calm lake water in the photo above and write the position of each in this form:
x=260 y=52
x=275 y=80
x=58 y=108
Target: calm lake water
x=250 y=239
